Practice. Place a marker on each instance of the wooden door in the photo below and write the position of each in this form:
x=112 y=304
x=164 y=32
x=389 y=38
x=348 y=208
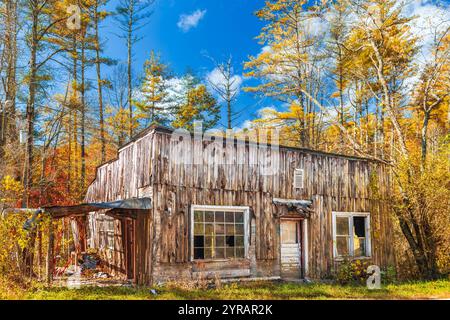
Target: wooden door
x=129 y=247
x=290 y=249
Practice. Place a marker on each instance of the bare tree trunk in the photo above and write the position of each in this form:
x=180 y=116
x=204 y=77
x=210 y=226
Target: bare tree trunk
x=7 y=123
x=27 y=175
x=83 y=117
x=99 y=84
x=74 y=120
x=129 y=58
x=69 y=153
x=424 y=133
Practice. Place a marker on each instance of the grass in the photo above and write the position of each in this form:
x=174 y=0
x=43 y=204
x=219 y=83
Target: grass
x=439 y=289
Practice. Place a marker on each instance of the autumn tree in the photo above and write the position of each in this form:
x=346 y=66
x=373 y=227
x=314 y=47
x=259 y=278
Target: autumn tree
x=194 y=103
x=286 y=66
x=432 y=93
x=117 y=117
x=9 y=16
x=98 y=15
x=154 y=90
x=370 y=61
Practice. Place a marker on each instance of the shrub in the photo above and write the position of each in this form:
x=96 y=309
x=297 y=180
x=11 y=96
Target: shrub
x=352 y=272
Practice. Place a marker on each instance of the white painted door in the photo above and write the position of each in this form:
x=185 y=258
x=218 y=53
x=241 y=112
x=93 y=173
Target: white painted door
x=290 y=249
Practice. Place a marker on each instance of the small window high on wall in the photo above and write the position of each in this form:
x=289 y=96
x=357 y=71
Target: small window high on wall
x=219 y=233
x=351 y=235
x=298 y=178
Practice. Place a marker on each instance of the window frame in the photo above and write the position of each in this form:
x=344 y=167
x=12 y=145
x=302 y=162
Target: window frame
x=368 y=241
x=245 y=210
x=104 y=222
x=301 y=172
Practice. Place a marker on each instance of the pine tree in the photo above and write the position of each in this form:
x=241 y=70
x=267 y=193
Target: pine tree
x=154 y=90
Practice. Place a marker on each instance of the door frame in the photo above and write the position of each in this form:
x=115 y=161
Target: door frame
x=130 y=248
x=303 y=241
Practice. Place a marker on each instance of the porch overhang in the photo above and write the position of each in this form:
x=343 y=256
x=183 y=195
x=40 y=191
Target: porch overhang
x=292 y=208
x=115 y=208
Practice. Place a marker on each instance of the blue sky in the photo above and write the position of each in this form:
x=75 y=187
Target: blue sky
x=185 y=32
x=225 y=27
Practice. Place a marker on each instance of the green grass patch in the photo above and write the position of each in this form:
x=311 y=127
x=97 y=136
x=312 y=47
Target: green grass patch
x=439 y=289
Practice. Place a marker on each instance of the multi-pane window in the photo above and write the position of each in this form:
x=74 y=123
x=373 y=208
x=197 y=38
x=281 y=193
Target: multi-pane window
x=218 y=234
x=351 y=234
x=106 y=231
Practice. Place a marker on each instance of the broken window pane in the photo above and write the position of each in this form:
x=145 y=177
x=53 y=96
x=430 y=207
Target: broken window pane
x=230 y=241
x=199 y=253
x=359 y=226
x=199 y=241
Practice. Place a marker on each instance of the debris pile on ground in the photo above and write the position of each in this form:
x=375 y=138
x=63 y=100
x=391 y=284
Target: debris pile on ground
x=101 y=275
x=90 y=263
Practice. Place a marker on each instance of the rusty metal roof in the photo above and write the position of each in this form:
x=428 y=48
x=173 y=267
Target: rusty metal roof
x=84 y=208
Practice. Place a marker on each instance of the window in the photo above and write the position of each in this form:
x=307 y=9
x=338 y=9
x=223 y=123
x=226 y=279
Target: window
x=298 y=178
x=219 y=232
x=351 y=234
x=289 y=232
x=106 y=231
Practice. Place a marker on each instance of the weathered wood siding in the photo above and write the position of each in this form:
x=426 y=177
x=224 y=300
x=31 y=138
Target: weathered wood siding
x=128 y=176
x=334 y=183
x=224 y=177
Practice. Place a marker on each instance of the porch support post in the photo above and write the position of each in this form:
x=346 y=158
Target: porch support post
x=50 y=253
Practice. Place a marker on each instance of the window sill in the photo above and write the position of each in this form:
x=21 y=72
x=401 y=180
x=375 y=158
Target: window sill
x=219 y=260
x=339 y=259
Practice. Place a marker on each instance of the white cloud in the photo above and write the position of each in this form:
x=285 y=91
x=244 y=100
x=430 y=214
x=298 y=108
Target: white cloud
x=217 y=79
x=266 y=48
x=189 y=21
x=317 y=26
x=429 y=18
x=266 y=112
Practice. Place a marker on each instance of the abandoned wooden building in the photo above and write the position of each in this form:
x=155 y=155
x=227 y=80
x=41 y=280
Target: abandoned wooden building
x=208 y=209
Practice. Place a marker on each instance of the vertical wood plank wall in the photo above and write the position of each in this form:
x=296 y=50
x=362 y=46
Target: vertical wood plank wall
x=234 y=177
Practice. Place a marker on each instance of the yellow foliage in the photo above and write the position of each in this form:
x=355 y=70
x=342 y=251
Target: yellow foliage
x=10 y=190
